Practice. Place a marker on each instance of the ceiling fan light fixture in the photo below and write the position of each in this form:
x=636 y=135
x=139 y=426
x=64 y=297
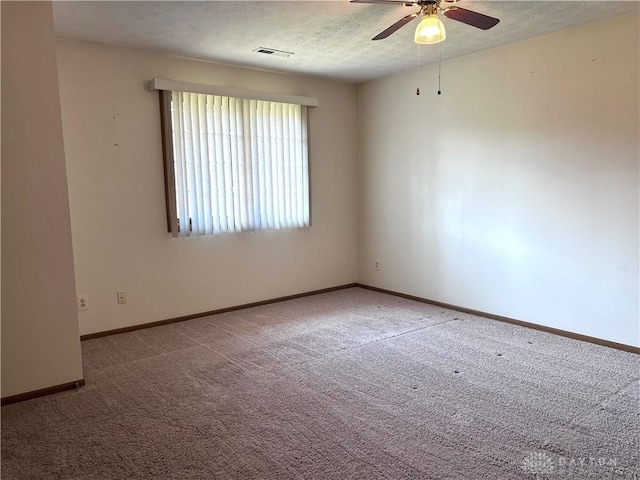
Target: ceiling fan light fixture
x=430 y=30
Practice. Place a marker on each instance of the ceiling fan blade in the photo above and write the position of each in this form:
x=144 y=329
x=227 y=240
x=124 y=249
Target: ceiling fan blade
x=396 y=26
x=474 y=19
x=389 y=2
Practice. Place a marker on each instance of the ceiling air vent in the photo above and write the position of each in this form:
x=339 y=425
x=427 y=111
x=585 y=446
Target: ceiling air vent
x=273 y=51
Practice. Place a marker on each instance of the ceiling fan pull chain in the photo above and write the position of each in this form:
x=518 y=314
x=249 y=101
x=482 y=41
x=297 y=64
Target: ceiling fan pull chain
x=439 y=69
x=418 y=88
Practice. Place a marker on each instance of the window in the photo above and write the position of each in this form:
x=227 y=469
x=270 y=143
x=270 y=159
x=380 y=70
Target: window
x=234 y=164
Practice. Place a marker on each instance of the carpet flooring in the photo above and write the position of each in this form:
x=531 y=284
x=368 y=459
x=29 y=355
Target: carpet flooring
x=351 y=384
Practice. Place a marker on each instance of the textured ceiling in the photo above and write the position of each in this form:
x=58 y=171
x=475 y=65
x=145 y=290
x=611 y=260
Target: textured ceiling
x=328 y=38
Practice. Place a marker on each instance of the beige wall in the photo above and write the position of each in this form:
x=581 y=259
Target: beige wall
x=516 y=191
x=117 y=194
x=40 y=342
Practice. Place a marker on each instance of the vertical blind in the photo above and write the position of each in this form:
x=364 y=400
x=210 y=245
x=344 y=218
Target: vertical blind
x=239 y=164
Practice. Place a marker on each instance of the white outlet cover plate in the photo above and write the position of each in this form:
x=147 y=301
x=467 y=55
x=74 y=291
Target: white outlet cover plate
x=83 y=302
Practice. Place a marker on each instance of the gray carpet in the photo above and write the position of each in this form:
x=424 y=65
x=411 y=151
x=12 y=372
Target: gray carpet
x=352 y=384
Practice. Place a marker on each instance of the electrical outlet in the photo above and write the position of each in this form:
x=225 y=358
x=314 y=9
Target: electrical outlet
x=83 y=302
x=122 y=297
x=376 y=264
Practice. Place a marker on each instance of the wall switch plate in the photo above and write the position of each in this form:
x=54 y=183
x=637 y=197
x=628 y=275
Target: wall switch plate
x=83 y=302
x=122 y=297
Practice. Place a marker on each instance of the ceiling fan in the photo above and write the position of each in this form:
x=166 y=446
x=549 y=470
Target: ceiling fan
x=431 y=30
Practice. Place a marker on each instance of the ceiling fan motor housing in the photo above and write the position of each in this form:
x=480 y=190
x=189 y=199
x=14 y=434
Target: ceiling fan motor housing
x=430 y=8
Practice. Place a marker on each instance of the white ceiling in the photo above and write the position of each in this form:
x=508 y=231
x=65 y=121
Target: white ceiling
x=328 y=38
